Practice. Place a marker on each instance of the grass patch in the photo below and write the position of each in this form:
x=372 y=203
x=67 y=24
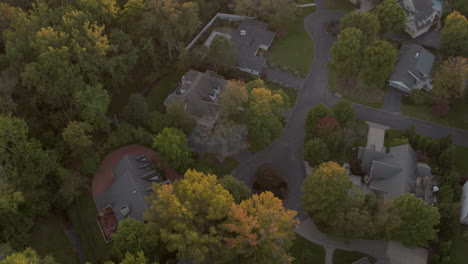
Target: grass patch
x=459 y=247
x=356 y=91
x=461 y=158
x=83 y=214
x=209 y=163
x=48 y=238
x=305 y=251
x=346 y=257
x=340 y=5
x=161 y=90
x=295 y=51
x=457 y=116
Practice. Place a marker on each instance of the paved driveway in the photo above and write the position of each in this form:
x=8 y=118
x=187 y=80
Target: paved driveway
x=392 y=100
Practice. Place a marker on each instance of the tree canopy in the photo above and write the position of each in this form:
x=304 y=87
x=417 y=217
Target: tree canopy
x=347 y=52
x=391 y=15
x=366 y=22
x=454 y=35
x=449 y=82
x=171 y=144
x=379 y=62
x=275 y=12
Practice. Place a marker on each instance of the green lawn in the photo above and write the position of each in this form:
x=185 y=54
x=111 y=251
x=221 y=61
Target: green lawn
x=341 y=5
x=83 y=217
x=461 y=160
x=356 y=91
x=209 y=163
x=305 y=251
x=162 y=89
x=294 y=52
x=346 y=257
x=459 y=247
x=457 y=116
x=48 y=238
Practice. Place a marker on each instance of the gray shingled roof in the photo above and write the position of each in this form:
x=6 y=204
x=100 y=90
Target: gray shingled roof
x=394 y=173
x=364 y=260
x=247 y=46
x=424 y=10
x=415 y=59
x=129 y=187
x=194 y=91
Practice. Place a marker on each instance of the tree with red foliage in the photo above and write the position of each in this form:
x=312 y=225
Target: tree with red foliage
x=329 y=130
x=440 y=108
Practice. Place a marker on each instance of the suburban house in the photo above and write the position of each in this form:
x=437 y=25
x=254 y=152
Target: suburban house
x=125 y=197
x=464 y=205
x=397 y=172
x=421 y=15
x=250 y=40
x=199 y=94
x=413 y=69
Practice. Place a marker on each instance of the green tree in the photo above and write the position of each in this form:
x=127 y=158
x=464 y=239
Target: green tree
x=418 y=221
x=343 y=111
x=28 y=256
x=246 y=223
x=155 y=122
x=263 y=130
x=131 y=237
x=131 y=15
x=329 y=130
x=366 y=22
x=233 y=96
x=93 y=102
x=76 y=136
x=176 y=117
x=325 y=191
x=315 y=114
x=461 y=6
x=391 y=15
x=264 y=102
x=222 y=52
x=316 y=151
x=449 y=82
x=128 y=134
x=172 y=20
x=136 y=110
x=454 y=35
x=171 y=144
x=236 y=188
x=379 y=62
x=187 y=216
x=347 y=52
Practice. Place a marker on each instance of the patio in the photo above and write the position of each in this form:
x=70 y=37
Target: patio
x=107 y=223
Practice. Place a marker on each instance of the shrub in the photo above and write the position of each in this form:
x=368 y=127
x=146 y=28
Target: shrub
x=418 y=97
x=269 y=179
x=398 y=142
x=440 y=108
x=316 y=151
x=236 y=188
x=315 y=114
x=344 y=112
x=329 y=130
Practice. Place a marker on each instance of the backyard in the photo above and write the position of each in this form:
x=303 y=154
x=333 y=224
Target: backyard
x=294 y=52
x=459 y=247
x=161 y=90
x=305 y=251
x=56 y=243
x=457 y=116
x=355 y=90
x=83 y=214
x=346 y=257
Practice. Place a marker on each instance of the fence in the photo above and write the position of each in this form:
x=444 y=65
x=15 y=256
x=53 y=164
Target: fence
x=220 y=16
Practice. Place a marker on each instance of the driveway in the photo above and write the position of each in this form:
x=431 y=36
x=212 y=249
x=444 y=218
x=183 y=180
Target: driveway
x=283 y=77
x=392 y=100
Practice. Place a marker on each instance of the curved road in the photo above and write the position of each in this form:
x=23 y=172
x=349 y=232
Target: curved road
x=285 y=153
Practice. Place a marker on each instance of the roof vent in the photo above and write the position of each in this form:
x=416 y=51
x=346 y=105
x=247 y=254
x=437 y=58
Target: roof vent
x=124 y=210
x=417 y=55
x=243 y=32
x=435 y=189
x=134 y=192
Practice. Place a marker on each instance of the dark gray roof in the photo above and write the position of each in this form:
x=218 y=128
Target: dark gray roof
x=247 y=45
x=414 y=60
x=133 y=178
x=364 y=260
x=396 y=172
x=423 y=10
x=195 y=90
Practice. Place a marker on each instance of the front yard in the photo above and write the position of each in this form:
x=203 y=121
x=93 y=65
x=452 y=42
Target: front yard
x=457 y=117
x=305 y=251
x=356 y=91
x=294 y=52
x=340 y=5
x=346 y=257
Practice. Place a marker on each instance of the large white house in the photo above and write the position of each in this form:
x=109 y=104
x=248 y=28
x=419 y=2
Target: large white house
x=421 y=15
x=464 y=205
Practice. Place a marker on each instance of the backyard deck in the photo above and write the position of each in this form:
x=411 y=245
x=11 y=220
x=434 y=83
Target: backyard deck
x=107 y=223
